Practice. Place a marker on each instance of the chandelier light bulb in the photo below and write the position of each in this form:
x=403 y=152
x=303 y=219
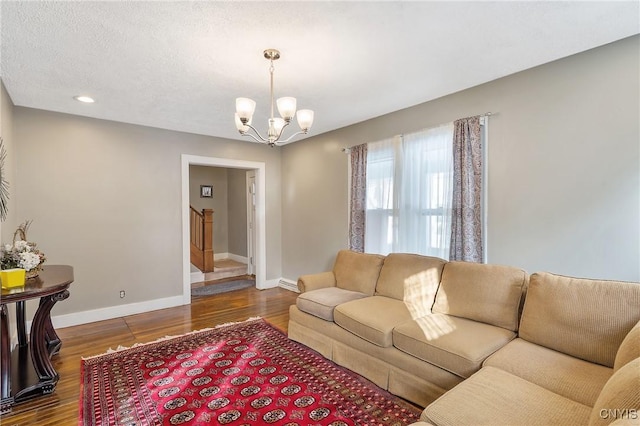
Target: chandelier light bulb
x=278 y=125
x=245 y=108
x=287 y=107
x=305 y=119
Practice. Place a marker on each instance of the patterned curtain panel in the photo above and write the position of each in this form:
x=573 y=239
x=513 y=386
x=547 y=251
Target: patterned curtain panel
x=358 y=202
x=466 y=221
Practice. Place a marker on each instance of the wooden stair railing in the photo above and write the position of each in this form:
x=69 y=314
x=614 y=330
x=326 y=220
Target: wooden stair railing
x=201 y=231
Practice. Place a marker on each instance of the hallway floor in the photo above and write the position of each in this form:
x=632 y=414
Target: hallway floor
x=222 y=270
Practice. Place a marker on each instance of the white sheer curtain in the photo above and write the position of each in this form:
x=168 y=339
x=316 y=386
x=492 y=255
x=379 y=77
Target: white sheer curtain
x=381 y=208
x=409 y=187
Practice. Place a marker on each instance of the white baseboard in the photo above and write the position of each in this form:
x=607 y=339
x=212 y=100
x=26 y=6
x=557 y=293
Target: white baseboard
x=197 y=277
x=68 y=320
x=269 y=284
x=218 y=256
x=102 y=314
x=241 y=259
x=288 y=285
x=237 y=258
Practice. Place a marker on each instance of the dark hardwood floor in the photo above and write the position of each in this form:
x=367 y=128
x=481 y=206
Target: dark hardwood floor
x=61 y=408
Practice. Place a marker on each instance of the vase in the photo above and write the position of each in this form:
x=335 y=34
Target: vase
x=12 y=278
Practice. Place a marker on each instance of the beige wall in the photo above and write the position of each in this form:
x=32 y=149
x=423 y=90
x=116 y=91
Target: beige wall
x=105 y=197
x=10 y=223
x=237 y=204
x=564 y=160
x=6 y=131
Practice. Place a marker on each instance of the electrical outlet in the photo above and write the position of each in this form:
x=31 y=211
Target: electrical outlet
x=122 y=294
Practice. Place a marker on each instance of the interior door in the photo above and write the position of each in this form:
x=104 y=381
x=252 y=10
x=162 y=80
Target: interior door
x=251 y=228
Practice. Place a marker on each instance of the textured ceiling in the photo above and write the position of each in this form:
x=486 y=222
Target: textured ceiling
x=180 y=65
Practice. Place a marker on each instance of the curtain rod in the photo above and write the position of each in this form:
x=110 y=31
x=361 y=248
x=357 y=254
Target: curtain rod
x=486 y=114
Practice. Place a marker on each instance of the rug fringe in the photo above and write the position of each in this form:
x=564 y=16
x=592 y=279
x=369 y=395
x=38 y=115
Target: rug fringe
x=162 y=339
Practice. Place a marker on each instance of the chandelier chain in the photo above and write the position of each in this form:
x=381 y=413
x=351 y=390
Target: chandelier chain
x=271 y=69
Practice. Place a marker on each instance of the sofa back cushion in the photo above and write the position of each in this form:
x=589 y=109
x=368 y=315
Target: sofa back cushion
x=412 y=278
x=584 y=318
x=487 y=293
x=619 y=399
x=357 y=271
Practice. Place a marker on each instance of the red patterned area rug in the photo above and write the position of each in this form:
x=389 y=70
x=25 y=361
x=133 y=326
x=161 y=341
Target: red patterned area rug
x=245 y=373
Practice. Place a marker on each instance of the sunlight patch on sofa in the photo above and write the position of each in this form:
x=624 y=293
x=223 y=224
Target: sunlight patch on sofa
x=420 y=292
x=435 y=326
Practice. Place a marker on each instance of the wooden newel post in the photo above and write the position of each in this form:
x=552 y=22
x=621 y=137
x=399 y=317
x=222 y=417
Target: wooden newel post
x=208 y=240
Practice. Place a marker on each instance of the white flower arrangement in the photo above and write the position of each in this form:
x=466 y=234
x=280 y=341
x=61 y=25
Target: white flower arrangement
x=21 y=254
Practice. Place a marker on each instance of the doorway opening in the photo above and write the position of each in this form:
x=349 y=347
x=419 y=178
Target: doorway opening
x=258 y=232
x=220 y=221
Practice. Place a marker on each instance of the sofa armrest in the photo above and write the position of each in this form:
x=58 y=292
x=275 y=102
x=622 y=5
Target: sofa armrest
x=316 y=281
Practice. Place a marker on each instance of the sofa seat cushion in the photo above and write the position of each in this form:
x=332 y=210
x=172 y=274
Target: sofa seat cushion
x=372 y=318
x=455 y=344
x=321 y=302
x=565 y=375
x=494 y=397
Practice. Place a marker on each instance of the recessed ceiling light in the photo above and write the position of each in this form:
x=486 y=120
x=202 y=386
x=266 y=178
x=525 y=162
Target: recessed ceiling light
x=85 y=99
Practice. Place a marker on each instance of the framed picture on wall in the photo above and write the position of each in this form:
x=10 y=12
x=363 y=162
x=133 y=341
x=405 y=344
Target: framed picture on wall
x=206 y=191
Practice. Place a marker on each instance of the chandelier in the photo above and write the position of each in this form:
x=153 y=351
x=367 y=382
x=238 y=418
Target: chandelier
x=286 y=107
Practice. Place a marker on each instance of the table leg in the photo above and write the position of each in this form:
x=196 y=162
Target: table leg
x=21 y=324
x=39 y=345
x=51 y=337
x=5 y=362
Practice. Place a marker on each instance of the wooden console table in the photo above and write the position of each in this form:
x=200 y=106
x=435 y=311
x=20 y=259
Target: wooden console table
x=27 y=371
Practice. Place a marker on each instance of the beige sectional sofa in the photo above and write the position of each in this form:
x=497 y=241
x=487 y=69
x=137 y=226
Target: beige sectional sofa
x=478 y=344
